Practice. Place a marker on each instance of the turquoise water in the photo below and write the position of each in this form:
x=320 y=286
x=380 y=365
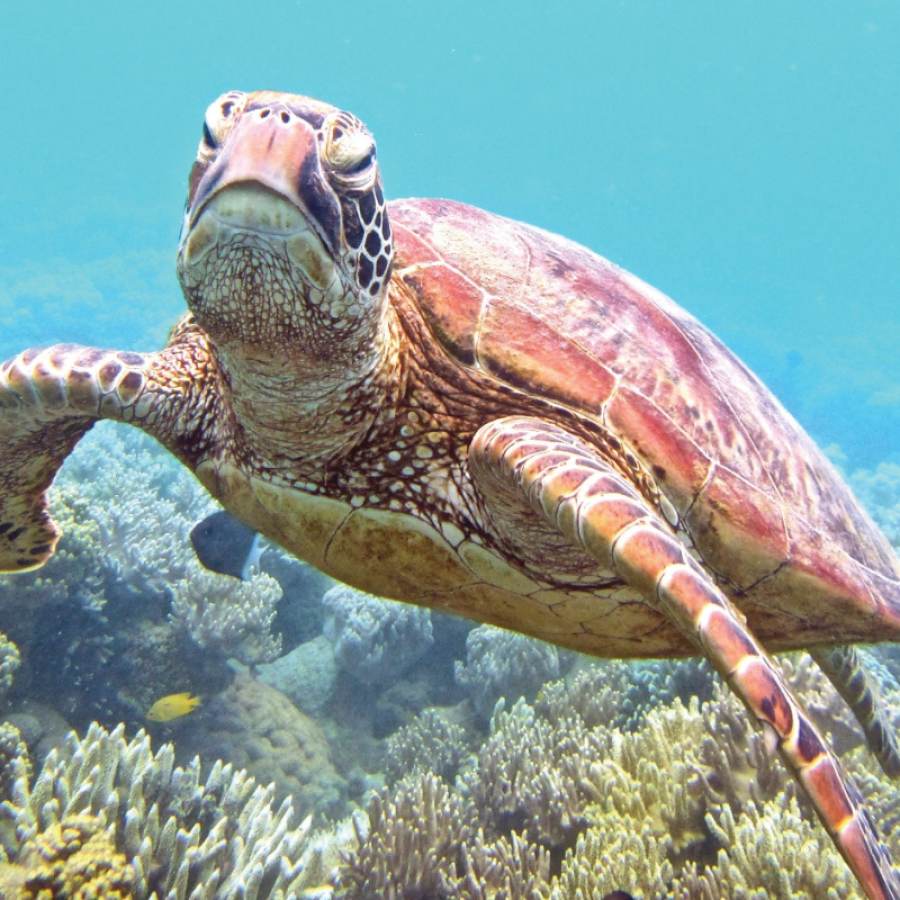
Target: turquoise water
x=743 y=159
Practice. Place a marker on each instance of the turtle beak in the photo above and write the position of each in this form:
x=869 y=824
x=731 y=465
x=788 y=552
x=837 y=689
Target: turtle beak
x=272 y=151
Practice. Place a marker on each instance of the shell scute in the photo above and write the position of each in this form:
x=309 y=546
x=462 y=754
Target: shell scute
x=454 y=321
x=564 y=325
x=566 y=373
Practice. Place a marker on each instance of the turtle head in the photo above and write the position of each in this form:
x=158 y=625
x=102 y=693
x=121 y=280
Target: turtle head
x=286 y=247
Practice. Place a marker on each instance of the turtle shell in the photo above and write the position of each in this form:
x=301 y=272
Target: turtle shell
x=765 y=510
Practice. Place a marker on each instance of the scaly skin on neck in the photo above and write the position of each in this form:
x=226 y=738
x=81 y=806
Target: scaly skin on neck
x=304 y=392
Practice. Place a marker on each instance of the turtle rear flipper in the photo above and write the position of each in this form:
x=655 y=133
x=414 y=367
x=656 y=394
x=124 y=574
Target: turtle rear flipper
x=50 y=398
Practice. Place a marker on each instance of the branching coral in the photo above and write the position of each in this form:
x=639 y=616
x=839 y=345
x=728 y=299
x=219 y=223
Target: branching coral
x=374 y=640
x=236 y=621
x=682 y=803
x=124 y=562
x=409 y=843
x=504 y=664
x=9 y=663
x=75 y=858
x=528 y=776
x=418 y=844
x=429 y=744
x=168 y=833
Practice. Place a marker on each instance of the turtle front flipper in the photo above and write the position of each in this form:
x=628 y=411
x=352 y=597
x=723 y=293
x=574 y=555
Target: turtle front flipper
x=583 y=495
x=50 y=398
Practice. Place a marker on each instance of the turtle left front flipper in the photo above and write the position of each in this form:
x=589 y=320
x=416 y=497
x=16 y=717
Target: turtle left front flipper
x=577 y=491
x=50 y=398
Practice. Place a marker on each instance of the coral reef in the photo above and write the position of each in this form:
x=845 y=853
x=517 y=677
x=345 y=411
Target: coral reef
x=504 y=664
x=9 y=664
x=237 y=621
x=306 y=675
x=374 y=640
x=429 y=744
x=684 y=802
x=123 y=609
x=74 y=858
x=254 y=727
x=417 y=844
x=107 y=817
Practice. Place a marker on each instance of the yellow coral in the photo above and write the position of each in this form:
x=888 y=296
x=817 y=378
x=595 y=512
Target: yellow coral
x=76 y=859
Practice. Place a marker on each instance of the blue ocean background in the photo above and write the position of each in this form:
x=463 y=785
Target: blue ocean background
x=743 y=158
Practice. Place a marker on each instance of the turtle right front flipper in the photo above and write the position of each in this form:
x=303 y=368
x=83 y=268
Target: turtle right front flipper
x=579 y=492
x=50 y=398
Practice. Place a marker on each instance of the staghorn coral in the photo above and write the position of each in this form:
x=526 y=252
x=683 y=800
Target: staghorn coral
x=408 y=844
x=165 y=832
x=607 y=859
x=418 y=844
x=502 y=663
x=507 y=869
x=752 y=843
x=429 y=744
x=683 y=803
x=527 y=776
x=374 y=640
x=9 y=664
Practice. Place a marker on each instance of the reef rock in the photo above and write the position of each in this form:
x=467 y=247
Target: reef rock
x=255 y=727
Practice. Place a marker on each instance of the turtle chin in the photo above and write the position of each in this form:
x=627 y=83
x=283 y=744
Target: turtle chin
x=245 y=212
x=256 y=273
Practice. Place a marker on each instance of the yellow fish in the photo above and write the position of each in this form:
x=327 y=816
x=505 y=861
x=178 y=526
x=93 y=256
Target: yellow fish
x=172 y=707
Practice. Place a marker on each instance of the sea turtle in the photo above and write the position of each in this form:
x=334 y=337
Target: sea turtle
x=439 y=405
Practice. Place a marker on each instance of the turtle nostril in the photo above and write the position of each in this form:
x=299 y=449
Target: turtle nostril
x=285 y=117
x=265 y=113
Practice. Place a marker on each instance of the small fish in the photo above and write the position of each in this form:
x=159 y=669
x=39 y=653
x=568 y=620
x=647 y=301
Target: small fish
x=172 y=707
x=226 y=545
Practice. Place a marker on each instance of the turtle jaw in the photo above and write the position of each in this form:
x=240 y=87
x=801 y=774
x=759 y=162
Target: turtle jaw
x=250 y=212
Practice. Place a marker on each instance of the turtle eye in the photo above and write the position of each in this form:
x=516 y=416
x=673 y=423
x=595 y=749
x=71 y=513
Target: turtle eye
x=348 y=153
x=208 y=139
x=220 y=118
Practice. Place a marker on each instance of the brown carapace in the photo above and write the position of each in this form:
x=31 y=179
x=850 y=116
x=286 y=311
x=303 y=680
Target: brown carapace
x=445 y=407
